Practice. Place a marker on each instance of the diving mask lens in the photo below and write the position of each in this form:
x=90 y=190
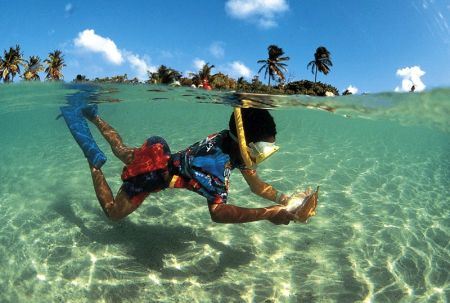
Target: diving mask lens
x=260 y=151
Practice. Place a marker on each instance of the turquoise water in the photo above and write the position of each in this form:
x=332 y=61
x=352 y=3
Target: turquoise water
x=381 y=233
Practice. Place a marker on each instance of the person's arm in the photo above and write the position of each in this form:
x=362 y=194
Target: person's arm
x=263 y=189
x=226 y=213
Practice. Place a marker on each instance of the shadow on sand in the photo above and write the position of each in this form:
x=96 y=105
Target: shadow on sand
x=148 y=245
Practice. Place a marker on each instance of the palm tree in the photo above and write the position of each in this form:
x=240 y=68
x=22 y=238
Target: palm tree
x=10 y=64
x=273 y=65
x=240 y=83
x=203 y=74
x=164 y=75
x=80 y=78
x=118 y=79
x=32 y=68
x=55 y=63
x=321 y=62
x=222 y=81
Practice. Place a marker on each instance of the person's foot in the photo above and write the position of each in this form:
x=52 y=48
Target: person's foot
x=90 y=111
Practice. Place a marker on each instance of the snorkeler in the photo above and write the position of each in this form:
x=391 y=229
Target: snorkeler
x=204 y=168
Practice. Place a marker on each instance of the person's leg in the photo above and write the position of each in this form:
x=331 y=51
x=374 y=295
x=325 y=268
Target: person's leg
x=114 y=208
x=123 y=152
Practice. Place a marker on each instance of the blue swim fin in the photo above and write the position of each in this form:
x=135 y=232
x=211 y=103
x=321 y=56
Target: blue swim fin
x=80 y=131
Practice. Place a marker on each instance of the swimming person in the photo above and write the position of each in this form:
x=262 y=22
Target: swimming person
x=203 y=167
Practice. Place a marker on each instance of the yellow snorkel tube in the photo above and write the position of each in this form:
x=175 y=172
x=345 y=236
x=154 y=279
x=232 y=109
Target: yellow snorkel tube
x=241 y=137
x=260 y=151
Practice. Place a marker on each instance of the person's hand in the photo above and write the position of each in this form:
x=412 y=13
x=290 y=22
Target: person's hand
x=303 y=205
x=282 y=216
x=303 y=194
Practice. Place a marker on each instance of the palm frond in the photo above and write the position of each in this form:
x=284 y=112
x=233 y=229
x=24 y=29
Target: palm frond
x=283 y=59
x=272 y=65
x=262 y=67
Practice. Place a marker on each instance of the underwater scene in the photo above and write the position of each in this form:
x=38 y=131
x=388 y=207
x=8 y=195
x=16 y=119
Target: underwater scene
x=381 y=232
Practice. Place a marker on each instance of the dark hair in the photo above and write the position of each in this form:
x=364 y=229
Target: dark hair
x=258 y=124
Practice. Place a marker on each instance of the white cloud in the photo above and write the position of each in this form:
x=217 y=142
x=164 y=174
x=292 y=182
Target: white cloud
x=68 y=8
x=188 y=74
x=410 y=76
x=427 y=3
x=237 y=69
x=267 y=23
x=352 y=89
x=167 y=54
x=217 y=50
x=199 y=63
x=139 y=65
x=263 y=12
x=88 y=40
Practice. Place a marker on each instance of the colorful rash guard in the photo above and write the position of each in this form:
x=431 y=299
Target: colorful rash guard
x=204 y=168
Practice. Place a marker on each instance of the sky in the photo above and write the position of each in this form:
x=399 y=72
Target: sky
x=375 y=45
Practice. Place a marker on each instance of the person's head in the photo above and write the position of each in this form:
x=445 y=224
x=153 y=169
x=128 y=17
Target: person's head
x=258 y=130
x=258 y=125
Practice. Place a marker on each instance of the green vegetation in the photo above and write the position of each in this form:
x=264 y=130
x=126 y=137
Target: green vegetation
x=321 y=62
x=115 y=79
x=163 y=75
x=32 y=69
x=223 y=82
x=10 y=64
x=204 y=74
x=12 y=60
x=305 y=87
x=55 y=63
x=274 y=68
x=273 y=65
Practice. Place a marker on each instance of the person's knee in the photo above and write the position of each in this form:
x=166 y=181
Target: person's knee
x=120 y=207
x=113 y=213
x=125 y=154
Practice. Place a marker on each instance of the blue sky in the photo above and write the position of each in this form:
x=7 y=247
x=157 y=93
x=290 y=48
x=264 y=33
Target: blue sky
x=375 y=45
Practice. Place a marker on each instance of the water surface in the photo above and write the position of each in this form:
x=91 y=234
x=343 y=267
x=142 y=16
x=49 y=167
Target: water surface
x=381 y=233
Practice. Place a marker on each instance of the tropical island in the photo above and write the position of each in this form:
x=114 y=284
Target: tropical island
x=274 y=69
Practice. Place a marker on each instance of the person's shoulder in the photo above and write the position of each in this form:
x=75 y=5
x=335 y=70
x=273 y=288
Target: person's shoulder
x=221 y=138
x=217 y=138
x=223 y=134
x=209 y=145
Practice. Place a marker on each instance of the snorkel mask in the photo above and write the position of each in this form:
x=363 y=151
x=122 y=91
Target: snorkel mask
x=262 y=150
x=259 y=151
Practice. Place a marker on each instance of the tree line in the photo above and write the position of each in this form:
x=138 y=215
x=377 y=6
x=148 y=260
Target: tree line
x=274 y=68
x=13 y=60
